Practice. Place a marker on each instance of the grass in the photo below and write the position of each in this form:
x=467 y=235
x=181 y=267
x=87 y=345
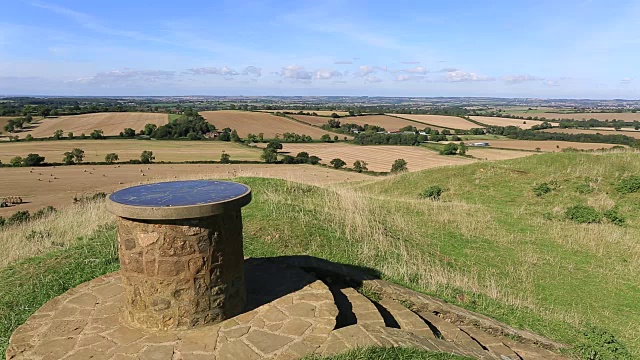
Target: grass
x=399 y=353
x=487 y=246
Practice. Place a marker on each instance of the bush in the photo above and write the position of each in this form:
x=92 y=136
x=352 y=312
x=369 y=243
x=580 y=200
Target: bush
x=46 y=211
x=583 y=214
x=288 y=159
x=400 y=165
x=314 y=160
x=337 y=163
x=600 y=344
x=225 y=158
x=449 y=149
x=542 y=189
x=2 y=221
x=33 y=160
x=147 y=157
x=614 y=217
x=16 y=161
x=19 y=217
x=433 y=192
x=360 y=166
x=269 y=155
x=111 y=158
x=629 y=184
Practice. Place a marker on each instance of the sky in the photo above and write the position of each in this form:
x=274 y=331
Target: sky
x=540 y=49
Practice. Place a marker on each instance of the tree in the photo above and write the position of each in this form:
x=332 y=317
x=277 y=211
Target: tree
x=335 y=138
x=29 y=137
x=462 y=149
x=334 y=115
x=75 y=156
x=16 y=161
x=399 y=165
x=128 y=132
x=314 y=160
x=111 y=158
x=10 y=127
x=70 y=135
x=149 y=129
x=83 y=136
x=261 y=137
x=274 y=145
x=234 y=136
x=147 y=157
x=33 y=160
x=326 y=138
x=97 y=134
x=269 y=155
x=225 y=158
x=449 y=149
x=360 y=166
x=58 y=134
x=337 y=163
x=68 y=158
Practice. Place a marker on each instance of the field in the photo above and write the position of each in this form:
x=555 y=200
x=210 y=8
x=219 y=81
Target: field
x=246 y=122
x=548 y=145
x=60 y=184
x=3 y=121
x=163 y=150
x=496 y=154
x=389 y=123
x=378 y=157
x=110 y=123
x=489 y=245
x=319 y=112
x=450 y=122
x=498 y=121
x=633 y=134
x=578 y=116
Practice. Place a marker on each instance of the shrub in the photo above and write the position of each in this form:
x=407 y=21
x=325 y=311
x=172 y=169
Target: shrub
x=269 y=155
x=33 y=160
x=111 y=158
x=360 y=166
x=16 y=161
x=433 y=192
x=19 y=217
x=583 y=214
x=314 y=160
x=225 y=158
x=147 y=157
x=629 y=184
x=542 y=189
x=46 y=211
x=400 y=165
x=614 y=217
x=449 y=149
x=600 y=344
x=2 y=221
x=337 y=163
x=288 y=159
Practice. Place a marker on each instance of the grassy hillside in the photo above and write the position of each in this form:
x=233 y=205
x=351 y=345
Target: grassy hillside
x=490 y=244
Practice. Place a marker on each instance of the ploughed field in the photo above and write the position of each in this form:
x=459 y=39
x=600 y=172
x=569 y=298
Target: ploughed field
x=247 y=122
x=450 y=122
x=611 y=131
x=498 y=121
x=547 y=145
x=57 y=186
x=389 y=123
x=110 y=123
x=378 y=157
x=129 y=149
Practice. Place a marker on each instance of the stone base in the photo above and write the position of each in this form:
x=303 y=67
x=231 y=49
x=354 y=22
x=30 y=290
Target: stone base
x=290 y=314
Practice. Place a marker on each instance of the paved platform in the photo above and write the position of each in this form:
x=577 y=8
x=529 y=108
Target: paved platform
x=291 y=313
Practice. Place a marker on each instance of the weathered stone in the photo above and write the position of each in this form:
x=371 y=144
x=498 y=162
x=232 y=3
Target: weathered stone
x=236 y=350
x=266 y=342
x=146 y=239
x=157 y=352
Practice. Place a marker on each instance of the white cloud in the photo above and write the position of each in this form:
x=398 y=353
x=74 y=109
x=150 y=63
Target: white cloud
x=226 y=71
x=551 y=83
x=126 y=77
x=324 y=74
x=402 y=78
x=517 y=79
x=343 y=62
x=462 y=76
x=416 y=70
x=365 y=70
x=252 y=70
x=448 y=69
x=295 y=72
x=372 y=79
x=626 y=80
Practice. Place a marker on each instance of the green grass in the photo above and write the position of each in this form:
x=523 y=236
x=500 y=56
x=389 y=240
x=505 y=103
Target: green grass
x=489 y=244
x=174 y=116
x=399 y=353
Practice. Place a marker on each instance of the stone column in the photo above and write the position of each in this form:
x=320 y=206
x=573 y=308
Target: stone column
x=180 y=246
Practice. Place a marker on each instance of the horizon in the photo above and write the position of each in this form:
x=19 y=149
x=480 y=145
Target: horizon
x=577 y=50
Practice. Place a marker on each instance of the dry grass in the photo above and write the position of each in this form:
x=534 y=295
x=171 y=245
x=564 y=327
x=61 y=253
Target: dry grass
x=577 y=116
x=610 y=131
x=496 y=154
x=498 y=121
x=247 y=122
x=319 y=112
x=110 y=123
x=450 y=122
x=163 y=150
x=547 y=145
x=378 y=157
x=56 y=231
x=389 y=123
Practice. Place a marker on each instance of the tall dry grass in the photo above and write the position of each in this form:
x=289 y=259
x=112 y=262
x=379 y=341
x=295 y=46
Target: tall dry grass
x=56 y=231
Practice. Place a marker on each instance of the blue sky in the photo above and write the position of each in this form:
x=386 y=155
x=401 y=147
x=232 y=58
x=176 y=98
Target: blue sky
x=549 y=49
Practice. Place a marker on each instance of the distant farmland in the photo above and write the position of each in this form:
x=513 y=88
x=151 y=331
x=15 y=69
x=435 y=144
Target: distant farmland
x=498 y=121
x=389 y=123
x=163 y=150
x=246 y=122
x=578 y=116
x=3 y=121
x=548 y=145
x=451 y=122
x=319 y=112
x=378 y=157
x=633 y=134
x=110 y=123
